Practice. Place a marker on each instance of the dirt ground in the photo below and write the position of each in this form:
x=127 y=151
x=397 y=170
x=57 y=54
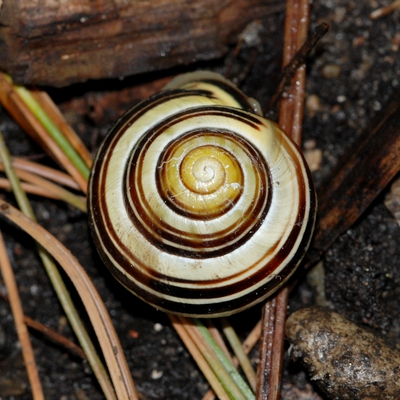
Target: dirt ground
x=351 y=75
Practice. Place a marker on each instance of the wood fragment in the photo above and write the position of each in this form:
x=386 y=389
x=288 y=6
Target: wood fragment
x=365 y=170
x=45 y=172
x=290 y=119
x=383 y=11
x=48 y=43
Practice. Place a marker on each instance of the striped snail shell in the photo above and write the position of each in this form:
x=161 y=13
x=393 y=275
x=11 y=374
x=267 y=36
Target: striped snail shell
x=199 y=205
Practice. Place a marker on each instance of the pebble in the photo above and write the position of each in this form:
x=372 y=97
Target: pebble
x=392 y=200
x=344 y=360
x=331 y=71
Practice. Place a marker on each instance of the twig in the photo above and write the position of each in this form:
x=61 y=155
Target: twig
x=291 y=107
x=299 y=59
x=346 y=194
x=55 y=337
x=51 y=189
x=382 y=12
x=45 y=172
x=23 y=335
x=51 y=334
x=290 y=119
x=266 y=343
x=278 y=343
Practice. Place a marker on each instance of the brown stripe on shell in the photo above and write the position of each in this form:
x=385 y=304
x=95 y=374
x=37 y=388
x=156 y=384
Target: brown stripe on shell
x=233 y=91
x=216 y=80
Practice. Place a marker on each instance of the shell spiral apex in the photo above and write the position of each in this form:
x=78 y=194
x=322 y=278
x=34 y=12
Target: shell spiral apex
x=197 y=204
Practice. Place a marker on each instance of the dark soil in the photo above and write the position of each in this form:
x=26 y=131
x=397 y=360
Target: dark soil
x=353 y=71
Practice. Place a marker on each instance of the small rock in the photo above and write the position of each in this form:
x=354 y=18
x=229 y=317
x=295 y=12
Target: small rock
x=392 y=200
x=314 y=159
x=158 y=327
x=313 y=104
x=345 y=361
x=156 y=374
x=331 y=71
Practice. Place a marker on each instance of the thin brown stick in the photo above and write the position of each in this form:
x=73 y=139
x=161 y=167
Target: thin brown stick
x=296 y=28
x=290 y=119
x=299 y=59
x=264 y=366
x=50 y=189
x=28 y=188
x=22 y=331
x=51 y=334
x=382 y=12
x=45 y=172
x=55 y=337
x=278 y=343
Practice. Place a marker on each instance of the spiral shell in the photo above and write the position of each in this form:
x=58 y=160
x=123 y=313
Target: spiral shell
x=198 y=205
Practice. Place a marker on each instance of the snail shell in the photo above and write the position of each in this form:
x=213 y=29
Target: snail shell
x=197 y=204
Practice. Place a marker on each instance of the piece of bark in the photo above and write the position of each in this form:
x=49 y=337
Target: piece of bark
x=346 y=361
x=56 y=43
x=365 y=170
x=269 y=372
